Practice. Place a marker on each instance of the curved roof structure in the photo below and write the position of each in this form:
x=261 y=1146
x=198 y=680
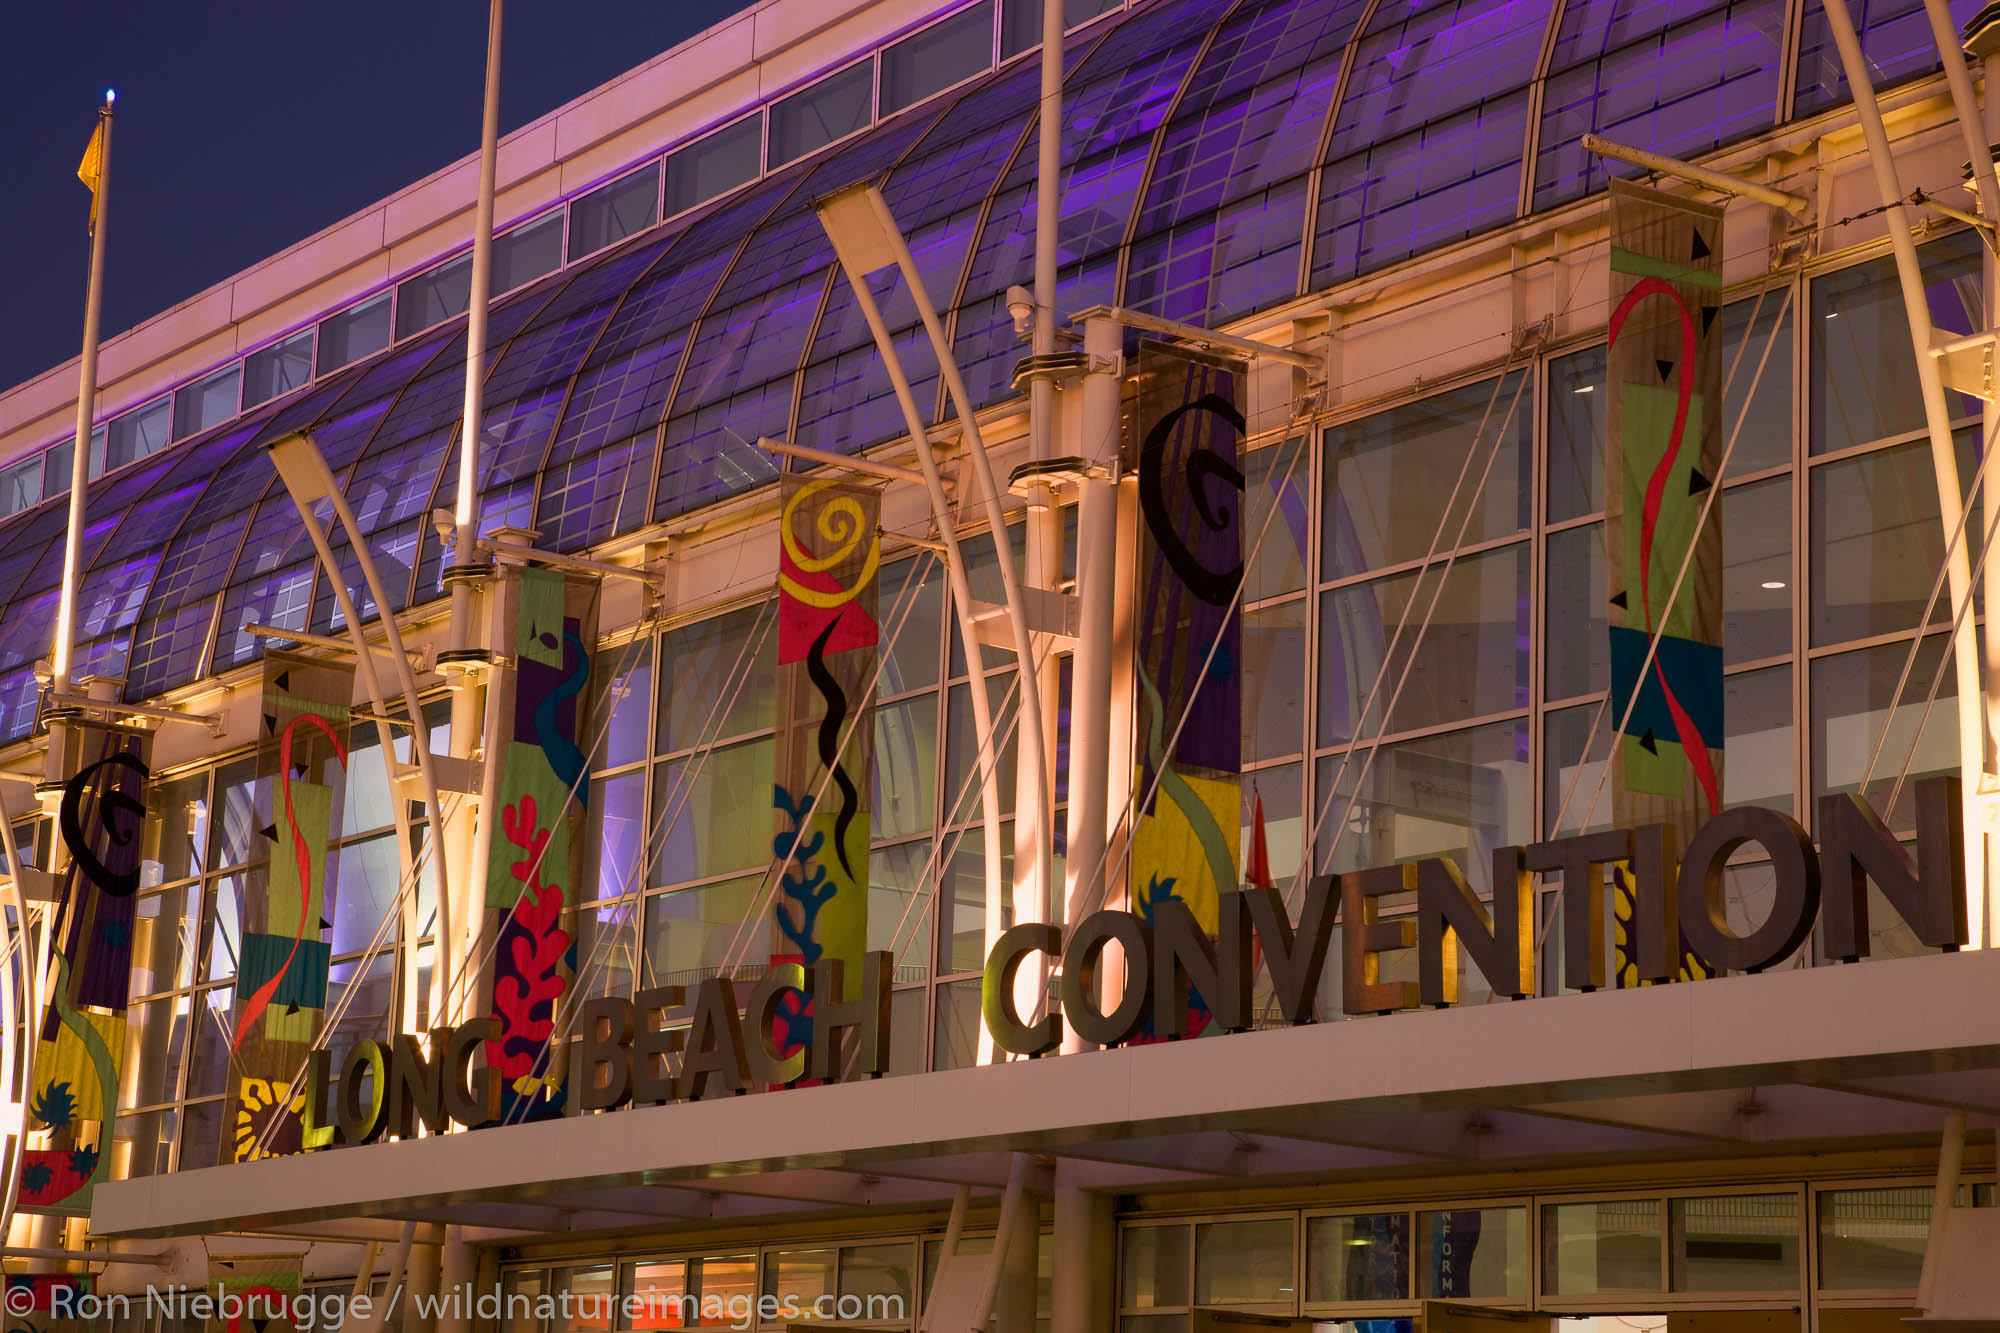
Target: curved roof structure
x=1219 y=157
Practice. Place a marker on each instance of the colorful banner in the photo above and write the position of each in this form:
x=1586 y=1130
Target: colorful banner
x=830 y=552
x=282 y=960
x=257 y=1292
x=537 y=866
x=1187 y=639
x=1662 y=458
x=101 y=822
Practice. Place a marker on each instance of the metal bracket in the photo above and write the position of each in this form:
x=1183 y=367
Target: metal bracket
x=37 y=886
x=1047 y=612
x=84 y=703
x=1966 y=364
x=419 y=662
x=528 y=555
x=464 y=776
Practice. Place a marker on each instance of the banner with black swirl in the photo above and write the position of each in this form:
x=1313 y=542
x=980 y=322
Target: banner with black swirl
x=100 y=825
x=829 y=558
x=1187 y=633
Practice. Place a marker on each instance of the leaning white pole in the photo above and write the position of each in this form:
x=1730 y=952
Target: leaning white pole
x=1944 y=459
x=86 y=400
x=30 y=1019
x=987 y=741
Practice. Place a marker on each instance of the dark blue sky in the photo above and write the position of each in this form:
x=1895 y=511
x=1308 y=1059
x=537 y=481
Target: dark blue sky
x=246 y=125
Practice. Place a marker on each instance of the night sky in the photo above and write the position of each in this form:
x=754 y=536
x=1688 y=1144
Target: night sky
x=244 y=127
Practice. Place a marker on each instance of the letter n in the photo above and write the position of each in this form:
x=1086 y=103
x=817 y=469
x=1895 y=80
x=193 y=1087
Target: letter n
x=1855 y=847
x=1449 y=913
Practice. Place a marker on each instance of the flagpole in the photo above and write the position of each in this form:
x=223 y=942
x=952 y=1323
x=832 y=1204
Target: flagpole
x=86 y=397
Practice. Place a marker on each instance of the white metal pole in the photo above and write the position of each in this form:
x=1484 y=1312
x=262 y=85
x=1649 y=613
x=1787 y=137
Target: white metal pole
x=86 y=399
x=30 y=1016
x=1944 y=459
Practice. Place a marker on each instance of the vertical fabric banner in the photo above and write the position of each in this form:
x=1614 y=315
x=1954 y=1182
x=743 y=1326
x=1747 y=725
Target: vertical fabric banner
x=1662 y=457
x=1187 y=639
x=100 y=821
x=537 y=869
x=829 y=558
x=282 y=967
x=255 y=1293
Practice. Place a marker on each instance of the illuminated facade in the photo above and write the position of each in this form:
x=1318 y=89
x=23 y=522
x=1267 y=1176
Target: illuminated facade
x=1397 y=190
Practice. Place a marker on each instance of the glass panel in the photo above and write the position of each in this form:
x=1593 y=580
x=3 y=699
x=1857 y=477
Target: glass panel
x=1472 y=658
x=142 y=1144
x=962 y=899
x=612 y=212
x=879 y=1271
x=659 y=1287
x=1765 y=439
x=910 y=659
x=936 y=58
x=1877 y=542
x=1873 y=1240
x=689 y=931
x=1593 y=1247
x=522 y=1290
x=362 y=330
x=1756 y=571
x=1576 y=647
x=1274 y=681
x=619 y=822
x=1735 y=1242
x=799 y=1276
x=1473 y=1253
x=1277 y=477
x=1576 y=434
x=703 y=667
x=606 y=948
x=715 y=165
x=165 y=936
x=1021 y=21
x=1758 y=738
x=1154 y=1270
x=1852 y=703
x=731 y=1283
x=956 y=1044
x=1458 y=794
x=1864 y=375
x=156 y=1035
x=1237 y=1263
x=178 y=829
x=138 y=433
x=433 y=297
x=592 y=1294
x=1385 y=482
x=202 y=1129
x=21 y=485
x=208 y=1070
x=700 y=803
x=209 y=403
x=1365 y=1257
x=366 y=878
x=526 y=253
x=813 y=117
x=621 y=704
x=906 y=751
x=278 y=369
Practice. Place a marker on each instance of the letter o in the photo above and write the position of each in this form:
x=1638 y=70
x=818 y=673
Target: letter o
x=1080 y=969
x=358 y=1123
x=1794 y=905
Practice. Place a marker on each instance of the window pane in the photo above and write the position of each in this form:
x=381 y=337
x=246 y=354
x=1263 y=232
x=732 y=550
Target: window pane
x=1277 y=476
x=955 y=1044
x=910 y=660
x=1576 y=434
x=364 y=879
x=1737 y=1242
x=1458 y=794
x=619 y=821
x=1274 y=677
x=607 y=949
x=177 y=833
x=433 y=297
x=212 y=1039
x=962 y=898
x=209 y=403
x=1577 y=649
x=353 y=334
x=1873 y=1240
x=1387 y=478
x=906 y=752
x=21 y=485
x=1766 y=437
x=816 y=116
x=142 y=1145
x=1359 y=1258
x=702 y=801
x=1021 y=21
x=1853 y=699
x=732 y=1281
x=1242 y=1262
x=880 y=1271
x=708 y=167
x=1471 y=659
x=277 y=369
x=526 y=253
x=613 y=212
x=1864 y=374
x=937 y=57
x=802 y=1275
x=1475 y=1253
x=659 y=1287
x=1155 y=1268
x=1593 y=1247
x=689 y=931
x=156 y=1035
x=703 y=665
x=1756 y=571
x=199 y=1134
x=620 y=706
x=166 y=933
x=1877 y=542
x=592 y=1292
x=138 y=433
x=1759 y=749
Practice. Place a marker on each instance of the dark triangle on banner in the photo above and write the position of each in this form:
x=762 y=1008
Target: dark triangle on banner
x=1699 y=251
x=1666 y=370
x=1708 y=314
x=270 y=725
x=1648 y=743
x=1697 y=482
x=270 y=831
x=283 y=680
x=1618 y=599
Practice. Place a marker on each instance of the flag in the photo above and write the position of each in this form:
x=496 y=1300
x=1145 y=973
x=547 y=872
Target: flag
x=91 y=170
x=1258 y=872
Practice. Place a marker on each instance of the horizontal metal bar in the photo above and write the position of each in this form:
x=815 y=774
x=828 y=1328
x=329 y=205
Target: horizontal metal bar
x=1194 y=333
x=852 y=462
x=556 y=560
x=213 y=721
x=88 y=1256
x=300 y=637
x=1688 y=171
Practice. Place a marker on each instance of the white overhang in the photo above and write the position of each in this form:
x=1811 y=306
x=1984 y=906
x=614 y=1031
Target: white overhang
x=1859 y=1055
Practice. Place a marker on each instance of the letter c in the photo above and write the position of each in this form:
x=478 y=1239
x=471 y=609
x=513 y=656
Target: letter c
x=996 y=991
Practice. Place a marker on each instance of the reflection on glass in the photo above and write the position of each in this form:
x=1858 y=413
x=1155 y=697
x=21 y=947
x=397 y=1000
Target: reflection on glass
x=1459 y=794
x=1758 y=749
x=1276 y=477
x=658 y=1289
x=1154 y=1270
x=1734 y=1242
x=521 y=1288
x=878 y=1270
x=689 y=931
x=592 y=1299
x=1877 y=542
x=1471 y=660
x=698 y=812
x=619 y=822
x=1576 y=434
x=728 y=659
x=1473 y=1253
x=962 y=898
x=1765 y=437
x=612 y=212
x=1274 y=681
x=618 y=722
x=939 y=56
x=1593 y=1247
x=956 y=1045
x=1852 y=706
x=800 y=1275
x=722 y=161
x=165 y=932
x=1238 y=1263
x=1365 y=1257
x=1575 y=647
x=1873 y=1240
x=834 y=107
x=1388 y=477
x=1756 y=571
x=905 y=766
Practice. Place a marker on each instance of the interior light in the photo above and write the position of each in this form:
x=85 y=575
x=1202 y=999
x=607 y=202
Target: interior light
x=1586 y=388
x=1773 y=584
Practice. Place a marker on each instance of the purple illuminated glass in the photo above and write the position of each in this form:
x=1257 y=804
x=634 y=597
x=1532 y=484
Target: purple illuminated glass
x=1676 y=79
x=712 y=452
x=1895 y=39
x=1228 y=264
x=19 y=696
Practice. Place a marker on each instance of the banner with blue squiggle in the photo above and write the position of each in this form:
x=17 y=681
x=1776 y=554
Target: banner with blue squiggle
x=1188 y=632
x=829 y=558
